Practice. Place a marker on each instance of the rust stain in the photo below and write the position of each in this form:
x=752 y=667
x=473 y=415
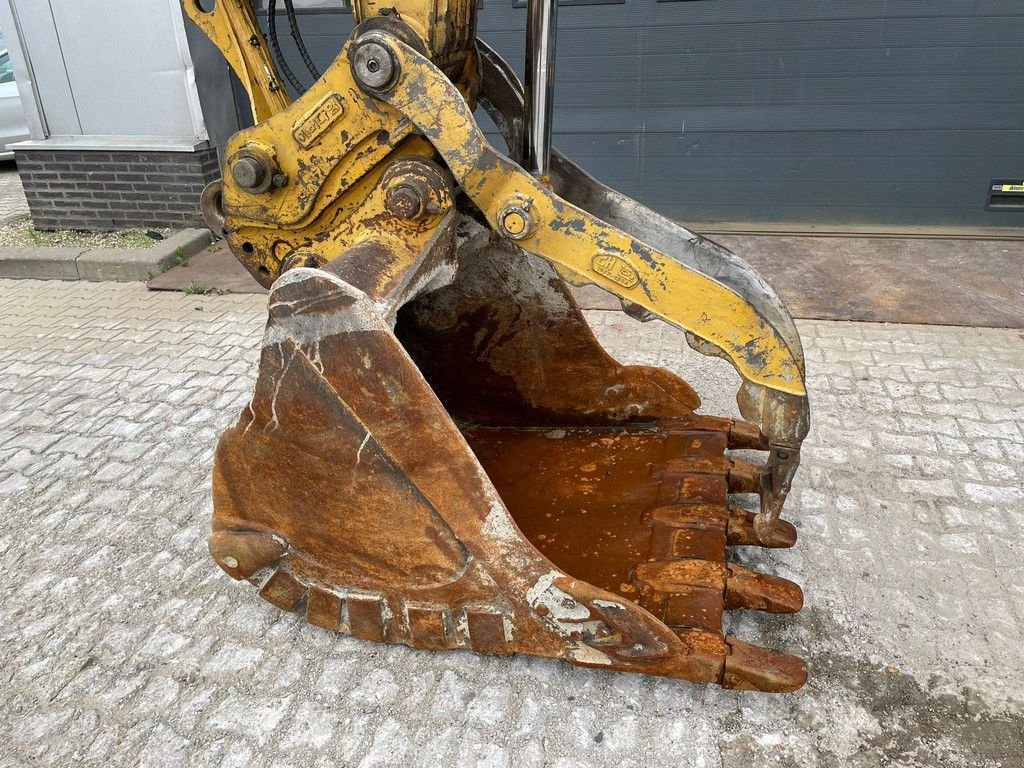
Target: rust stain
x=438 y=452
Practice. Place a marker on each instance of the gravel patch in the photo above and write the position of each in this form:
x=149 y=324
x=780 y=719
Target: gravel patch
x=20 y=231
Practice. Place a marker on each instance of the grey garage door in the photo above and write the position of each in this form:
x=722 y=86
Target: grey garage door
x=836 y=114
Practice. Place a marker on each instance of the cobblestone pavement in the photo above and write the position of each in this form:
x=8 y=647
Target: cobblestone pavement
x=12 y=195
x=122 y=644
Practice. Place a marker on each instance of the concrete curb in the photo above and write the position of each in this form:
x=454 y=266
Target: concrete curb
x=101 y=264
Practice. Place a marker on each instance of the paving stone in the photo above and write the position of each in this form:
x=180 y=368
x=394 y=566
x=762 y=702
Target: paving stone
x=121 y=643
x=12 y=194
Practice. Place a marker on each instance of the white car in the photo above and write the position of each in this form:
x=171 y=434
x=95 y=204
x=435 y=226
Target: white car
x=13 y=126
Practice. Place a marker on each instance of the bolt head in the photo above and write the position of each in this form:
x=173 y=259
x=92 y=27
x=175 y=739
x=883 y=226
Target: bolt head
x=374 y=66
x=248 y=172
x=405 y=202
x=515 y=223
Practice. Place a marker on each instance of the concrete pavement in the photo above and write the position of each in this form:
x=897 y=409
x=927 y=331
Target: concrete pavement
x=121 y=643
x=12 y=195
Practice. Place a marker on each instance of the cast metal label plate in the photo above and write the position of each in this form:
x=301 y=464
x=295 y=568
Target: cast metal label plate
x=615 y=269
x=314 y=124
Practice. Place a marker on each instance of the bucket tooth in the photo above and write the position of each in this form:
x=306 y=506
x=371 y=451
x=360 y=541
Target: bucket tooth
x=749 y=589
x=740 y=666
x=744 y=435
x=283 y=590
x=745 y=477
x=752 y=668
x=487 y=633
x=324 y=609
x=428 y=626
x=706 y=654
x=366 y=617
x=741 y=531
x=240 y=554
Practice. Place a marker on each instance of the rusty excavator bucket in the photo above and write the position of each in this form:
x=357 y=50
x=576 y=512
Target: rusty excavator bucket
x=438 y=452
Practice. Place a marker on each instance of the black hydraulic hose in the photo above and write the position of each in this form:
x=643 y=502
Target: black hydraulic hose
x=281 y=63
x=293 y=22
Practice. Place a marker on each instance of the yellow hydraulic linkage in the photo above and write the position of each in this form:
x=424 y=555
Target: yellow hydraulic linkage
x=232 y=26
x=394 y=474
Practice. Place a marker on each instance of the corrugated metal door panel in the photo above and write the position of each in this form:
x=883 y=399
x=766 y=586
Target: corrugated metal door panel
x=877 y=112
x=926 y=176
x=125 y=70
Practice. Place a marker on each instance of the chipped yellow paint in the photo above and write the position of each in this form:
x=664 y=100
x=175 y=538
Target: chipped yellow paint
x=356 y=217
x=569 y=236
x=332 y=145
x=358 y=139
x=446 y=27
x=232 y=27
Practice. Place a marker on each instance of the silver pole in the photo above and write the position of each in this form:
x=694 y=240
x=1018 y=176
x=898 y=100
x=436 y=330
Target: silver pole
x=542 y=16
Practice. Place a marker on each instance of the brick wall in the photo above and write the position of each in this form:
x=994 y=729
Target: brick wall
x=99 y=190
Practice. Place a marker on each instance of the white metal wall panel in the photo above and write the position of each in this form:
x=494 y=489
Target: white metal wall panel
x=125 y=67
x=42 y=47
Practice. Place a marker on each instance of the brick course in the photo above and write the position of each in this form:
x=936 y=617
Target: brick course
x=101 y=191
